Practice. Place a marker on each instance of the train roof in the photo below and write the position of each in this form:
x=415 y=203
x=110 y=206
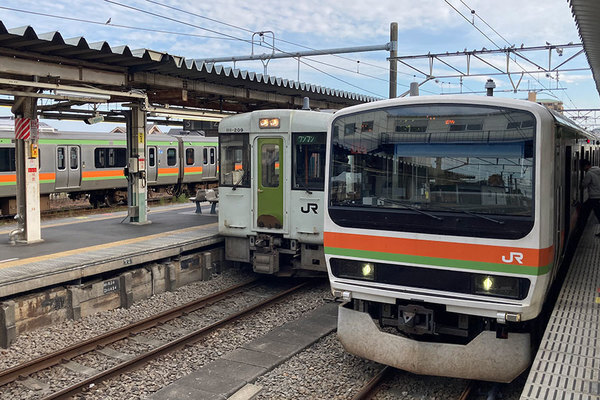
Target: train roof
x=315 y=120
x=85 y=136
x=482 y=100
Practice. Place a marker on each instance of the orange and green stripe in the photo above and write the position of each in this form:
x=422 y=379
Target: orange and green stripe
x=101 y=175
x=453 y=255
x=168 y=171
x=192 y=170
x=45 y=177
x=6 y=180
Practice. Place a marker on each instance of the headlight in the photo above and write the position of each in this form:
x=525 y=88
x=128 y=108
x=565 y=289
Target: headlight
x=492 y=285
x=357 y=270
x=426 y=279
x=269 y=123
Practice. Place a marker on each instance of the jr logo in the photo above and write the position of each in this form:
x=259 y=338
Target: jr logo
x=513 y=256
x=310 y=206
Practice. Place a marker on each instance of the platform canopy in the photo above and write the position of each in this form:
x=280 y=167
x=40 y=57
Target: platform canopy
x=49 y=58
x=587 y=19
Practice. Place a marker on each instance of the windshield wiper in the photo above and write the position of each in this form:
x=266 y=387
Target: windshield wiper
x=474 y=214
x=303 y=185
x=409 y=207
x=239 y=182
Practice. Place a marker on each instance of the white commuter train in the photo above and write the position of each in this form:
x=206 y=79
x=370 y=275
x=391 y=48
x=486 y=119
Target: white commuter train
x=272 y=175
x=447 y=220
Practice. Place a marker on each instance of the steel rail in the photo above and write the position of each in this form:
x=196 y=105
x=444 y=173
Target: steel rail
x=176 y=344
x=369 y=389
x=49 y=360
x=467 y=391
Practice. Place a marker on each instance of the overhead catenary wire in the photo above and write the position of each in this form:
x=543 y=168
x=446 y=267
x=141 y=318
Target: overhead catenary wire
x=251 y=31
x=87 y=21
x=220 y=37
x=503 y=38
x=216 y=32
x=495 y=44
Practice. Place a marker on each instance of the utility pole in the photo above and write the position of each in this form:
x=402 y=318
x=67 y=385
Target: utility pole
x=393 y=60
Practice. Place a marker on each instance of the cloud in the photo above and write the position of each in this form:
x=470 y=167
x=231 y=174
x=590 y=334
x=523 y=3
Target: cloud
x=424 y=26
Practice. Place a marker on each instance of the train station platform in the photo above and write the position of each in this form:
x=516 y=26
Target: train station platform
x=567 y=364
x=80 y=247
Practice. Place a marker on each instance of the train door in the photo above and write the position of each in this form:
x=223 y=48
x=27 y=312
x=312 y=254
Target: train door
x=68 y=167
x=567 y=195
x=212 y=161
x=209 y=162
x=270 y=177
x=151 y=169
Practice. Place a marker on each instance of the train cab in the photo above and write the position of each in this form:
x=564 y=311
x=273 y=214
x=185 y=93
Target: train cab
x=272 y=167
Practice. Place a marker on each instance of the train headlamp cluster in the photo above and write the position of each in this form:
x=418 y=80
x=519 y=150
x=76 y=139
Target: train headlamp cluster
x=368 y=271
x=446 y=280
x=493 y=285
x=268 y=123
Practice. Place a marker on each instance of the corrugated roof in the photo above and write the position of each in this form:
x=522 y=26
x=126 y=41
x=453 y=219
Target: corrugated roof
x=586 y=14
x=135 y=60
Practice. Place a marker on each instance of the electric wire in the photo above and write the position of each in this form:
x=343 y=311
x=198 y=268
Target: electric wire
x=176 y=20
x=515 y=61
x=485 y=22
x=500 y=48
x=250 y=31
x=87 y=21
x=467 y=19
x=216 y=32
x=291 y=43
x=203 y=36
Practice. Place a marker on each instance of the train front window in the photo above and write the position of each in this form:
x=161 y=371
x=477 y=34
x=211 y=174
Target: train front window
x=308 y=161
x=234 y=160
x=449 y=169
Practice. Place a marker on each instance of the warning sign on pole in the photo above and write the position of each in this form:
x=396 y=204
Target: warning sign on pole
x=26 y=128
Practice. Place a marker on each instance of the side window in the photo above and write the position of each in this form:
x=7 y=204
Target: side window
x=74 y=157
x=151 y=157
x=189 y=156
x=270 y=165
x=7 y=160
x=171 y=157
x=61 y=164
x=99 y=158
x=205 y=156
x=110 y=157
x=212 y=156
x=308 y=161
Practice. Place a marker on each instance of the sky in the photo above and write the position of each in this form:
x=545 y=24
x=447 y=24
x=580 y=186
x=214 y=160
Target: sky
x=198 y=29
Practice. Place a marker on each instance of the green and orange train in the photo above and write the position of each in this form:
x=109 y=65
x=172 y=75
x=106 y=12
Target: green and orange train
x=92 y=164
x=447 y=221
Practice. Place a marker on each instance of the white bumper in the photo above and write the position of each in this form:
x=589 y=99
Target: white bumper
x=484 y=358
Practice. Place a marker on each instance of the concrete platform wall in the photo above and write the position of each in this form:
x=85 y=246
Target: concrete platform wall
x=38 y=310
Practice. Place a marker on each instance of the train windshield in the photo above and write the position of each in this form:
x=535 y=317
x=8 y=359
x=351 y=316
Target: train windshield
x=234 y=160
x=309 y=161
x=453 y=169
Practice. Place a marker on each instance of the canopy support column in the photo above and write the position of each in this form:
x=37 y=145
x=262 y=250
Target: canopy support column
x=135 y=171
x=29 y=228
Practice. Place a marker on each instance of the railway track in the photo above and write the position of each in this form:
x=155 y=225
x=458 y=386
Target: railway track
x=100 y=342
x=370 y=388
x=373 y=386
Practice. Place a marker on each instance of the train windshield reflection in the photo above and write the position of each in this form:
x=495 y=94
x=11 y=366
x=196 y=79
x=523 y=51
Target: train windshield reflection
x=435 y=158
